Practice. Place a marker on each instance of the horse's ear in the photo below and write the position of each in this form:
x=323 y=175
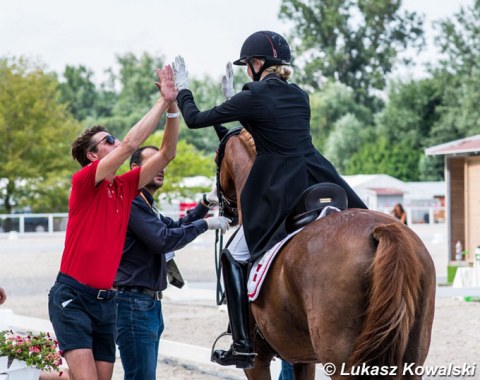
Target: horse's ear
x=221 y=131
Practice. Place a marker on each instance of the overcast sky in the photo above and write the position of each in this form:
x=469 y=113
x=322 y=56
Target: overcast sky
x=208 y=33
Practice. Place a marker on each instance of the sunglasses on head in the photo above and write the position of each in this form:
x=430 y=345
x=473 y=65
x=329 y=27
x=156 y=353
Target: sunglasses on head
x=108 y=138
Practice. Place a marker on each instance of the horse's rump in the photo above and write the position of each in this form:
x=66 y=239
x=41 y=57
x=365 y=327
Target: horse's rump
x=319 y=286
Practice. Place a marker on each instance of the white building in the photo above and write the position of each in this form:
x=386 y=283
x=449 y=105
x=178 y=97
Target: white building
x=423 y=201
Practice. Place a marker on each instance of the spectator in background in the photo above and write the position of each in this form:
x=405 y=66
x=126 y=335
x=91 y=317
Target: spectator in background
x=3 y=296
x=399 y=213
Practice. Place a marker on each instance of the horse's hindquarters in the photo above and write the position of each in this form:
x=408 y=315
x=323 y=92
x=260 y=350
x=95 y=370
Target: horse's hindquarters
x=314 y=295
x=312 y=305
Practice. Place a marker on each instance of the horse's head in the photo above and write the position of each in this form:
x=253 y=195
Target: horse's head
x=235 y=156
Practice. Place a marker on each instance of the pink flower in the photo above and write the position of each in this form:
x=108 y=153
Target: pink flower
x=39 y=351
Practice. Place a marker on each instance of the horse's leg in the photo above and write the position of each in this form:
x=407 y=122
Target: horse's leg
x=261 y=369
x=304 y=371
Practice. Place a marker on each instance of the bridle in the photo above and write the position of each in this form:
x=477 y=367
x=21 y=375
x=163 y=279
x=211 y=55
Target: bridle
x=227 y=207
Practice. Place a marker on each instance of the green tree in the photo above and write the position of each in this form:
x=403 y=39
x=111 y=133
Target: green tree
x=458 y=75
x=410 y=113
x=356 y=42
x=328 y=105
x=136 y=79
x=458 y=39
x=79 y=91
x=36 y=132
x=379 y=156
x=457 y=79
x=346 y=139
x=409 y=119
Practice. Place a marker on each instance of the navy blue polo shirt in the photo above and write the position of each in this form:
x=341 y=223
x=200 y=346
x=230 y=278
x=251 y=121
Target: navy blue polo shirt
x=149 y=237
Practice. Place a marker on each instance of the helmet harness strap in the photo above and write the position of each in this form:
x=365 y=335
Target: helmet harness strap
x=256 y=75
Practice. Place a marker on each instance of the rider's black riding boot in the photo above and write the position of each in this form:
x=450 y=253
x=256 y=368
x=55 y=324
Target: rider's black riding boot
x=240 y=353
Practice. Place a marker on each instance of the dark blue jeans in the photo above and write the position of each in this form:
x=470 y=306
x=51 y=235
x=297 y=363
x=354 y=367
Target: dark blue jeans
x=140 y=325
x=287 y=371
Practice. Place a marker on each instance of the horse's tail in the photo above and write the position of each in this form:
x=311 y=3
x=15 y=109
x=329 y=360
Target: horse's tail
x=393 y=297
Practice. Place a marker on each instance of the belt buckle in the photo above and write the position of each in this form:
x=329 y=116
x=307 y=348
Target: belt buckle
x=158 y=295
x=108 y=294
x=99 y=295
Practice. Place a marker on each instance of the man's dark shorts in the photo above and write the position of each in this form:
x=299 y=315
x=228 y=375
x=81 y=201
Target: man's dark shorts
x=83 y=317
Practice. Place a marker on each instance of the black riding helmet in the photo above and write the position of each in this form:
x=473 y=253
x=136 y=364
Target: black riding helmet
x=267 y=45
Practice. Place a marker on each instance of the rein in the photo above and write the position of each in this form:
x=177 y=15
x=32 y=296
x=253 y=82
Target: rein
x=220 y=292
x=227 y=207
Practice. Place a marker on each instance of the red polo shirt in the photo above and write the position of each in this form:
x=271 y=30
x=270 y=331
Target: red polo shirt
x=97 y=224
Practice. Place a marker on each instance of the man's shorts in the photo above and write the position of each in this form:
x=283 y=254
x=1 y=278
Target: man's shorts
x=83 y=317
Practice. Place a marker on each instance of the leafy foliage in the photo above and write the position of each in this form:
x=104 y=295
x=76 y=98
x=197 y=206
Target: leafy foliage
x=354 y=42
x=347 y=137
x=136 y=81
x=328 y=105
x=379 y=156
x=79 y=92
x=36 y=131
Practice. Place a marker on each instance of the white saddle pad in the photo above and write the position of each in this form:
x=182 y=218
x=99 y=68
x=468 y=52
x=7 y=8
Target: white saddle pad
x=262 y=265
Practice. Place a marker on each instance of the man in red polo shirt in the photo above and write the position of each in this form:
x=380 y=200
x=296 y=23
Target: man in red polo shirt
x=82 y=307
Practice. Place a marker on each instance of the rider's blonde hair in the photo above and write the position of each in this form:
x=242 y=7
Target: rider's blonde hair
x=283 y=71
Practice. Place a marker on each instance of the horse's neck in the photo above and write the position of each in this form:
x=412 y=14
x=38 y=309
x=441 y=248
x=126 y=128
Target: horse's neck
x=239 y=156
x=243 y=155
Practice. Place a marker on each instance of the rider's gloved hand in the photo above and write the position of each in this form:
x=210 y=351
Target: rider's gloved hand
x=218 y=223
x=180 y=72
x=227 y=82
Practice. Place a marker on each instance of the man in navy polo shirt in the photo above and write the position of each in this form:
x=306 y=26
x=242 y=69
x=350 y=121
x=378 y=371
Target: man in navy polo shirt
x=142 y=274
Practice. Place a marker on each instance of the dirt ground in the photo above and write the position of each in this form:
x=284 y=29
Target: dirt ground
x=29 y=264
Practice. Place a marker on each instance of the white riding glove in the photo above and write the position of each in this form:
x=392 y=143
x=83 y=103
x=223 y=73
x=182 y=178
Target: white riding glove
x=212 y=197
x=180 y=72
x=227 y=82
x=218 y=223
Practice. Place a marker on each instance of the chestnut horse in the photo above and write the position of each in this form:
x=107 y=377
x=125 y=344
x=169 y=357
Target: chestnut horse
x=355 y=289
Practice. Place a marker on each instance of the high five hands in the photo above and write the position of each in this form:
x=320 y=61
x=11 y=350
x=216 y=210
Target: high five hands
x=180 y=73
x=227 y=82
x=166 y=83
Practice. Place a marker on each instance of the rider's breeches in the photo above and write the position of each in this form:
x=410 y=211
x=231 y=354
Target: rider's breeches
x=238 y=246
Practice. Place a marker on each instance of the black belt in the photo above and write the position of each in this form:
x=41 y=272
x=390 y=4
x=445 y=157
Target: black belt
x=155 y=294
x=99 y=294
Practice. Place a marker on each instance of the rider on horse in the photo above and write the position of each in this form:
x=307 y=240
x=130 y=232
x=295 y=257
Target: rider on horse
x=277 y=115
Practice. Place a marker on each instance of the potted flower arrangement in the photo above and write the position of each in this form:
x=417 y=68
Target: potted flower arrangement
x=23 y=357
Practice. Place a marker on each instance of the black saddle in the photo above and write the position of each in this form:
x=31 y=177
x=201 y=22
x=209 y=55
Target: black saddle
x=313 y=201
